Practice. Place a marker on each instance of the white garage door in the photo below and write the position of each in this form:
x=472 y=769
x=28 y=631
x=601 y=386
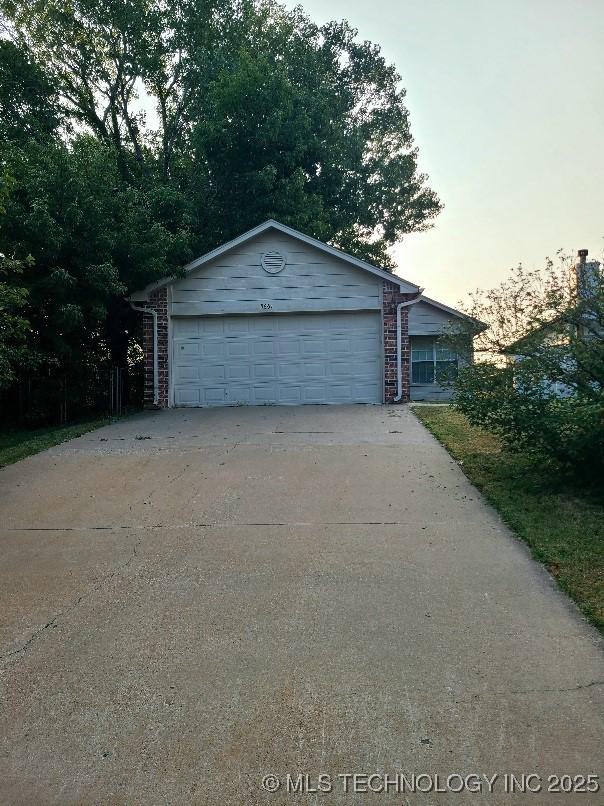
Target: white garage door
x=277 y=359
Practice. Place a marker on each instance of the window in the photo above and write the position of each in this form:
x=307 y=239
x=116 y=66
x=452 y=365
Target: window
x=430 y=362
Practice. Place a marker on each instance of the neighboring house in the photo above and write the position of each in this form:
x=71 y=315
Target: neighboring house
x=586 y=285
x=276 y=317
x=551 y=338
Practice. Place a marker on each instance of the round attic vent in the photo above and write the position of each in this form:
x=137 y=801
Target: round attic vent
x=273 y=262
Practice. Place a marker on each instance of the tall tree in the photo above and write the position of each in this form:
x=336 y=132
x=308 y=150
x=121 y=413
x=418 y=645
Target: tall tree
x=28 y=102
x=305 y=124
x=257 y=112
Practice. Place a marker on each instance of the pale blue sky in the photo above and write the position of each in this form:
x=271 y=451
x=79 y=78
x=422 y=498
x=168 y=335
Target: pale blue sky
x=506 y=99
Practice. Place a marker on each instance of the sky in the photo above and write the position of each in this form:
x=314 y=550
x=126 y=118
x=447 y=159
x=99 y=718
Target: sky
x=506 y=102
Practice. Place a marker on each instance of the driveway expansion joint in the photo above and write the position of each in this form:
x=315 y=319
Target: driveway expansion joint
x=422 y=525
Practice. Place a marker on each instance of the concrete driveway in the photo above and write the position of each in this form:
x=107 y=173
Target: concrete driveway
x=191 y=600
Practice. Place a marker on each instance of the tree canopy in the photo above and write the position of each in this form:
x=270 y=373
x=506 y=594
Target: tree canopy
x=137 y=135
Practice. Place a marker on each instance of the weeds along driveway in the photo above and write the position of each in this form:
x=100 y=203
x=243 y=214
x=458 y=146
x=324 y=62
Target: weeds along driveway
x=194 y=599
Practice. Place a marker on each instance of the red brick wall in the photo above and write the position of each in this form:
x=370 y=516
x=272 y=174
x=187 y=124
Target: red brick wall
x=158 y=300
x=392 y=297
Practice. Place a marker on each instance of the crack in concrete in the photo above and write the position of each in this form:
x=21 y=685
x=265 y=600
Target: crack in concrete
x=522 y=692
x=233 y=525
x=578 y=687
x=70 y=608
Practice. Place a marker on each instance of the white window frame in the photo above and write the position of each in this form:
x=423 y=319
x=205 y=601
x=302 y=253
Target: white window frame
x=433 y=349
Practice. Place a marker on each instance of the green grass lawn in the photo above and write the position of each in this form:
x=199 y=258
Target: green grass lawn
x=562 y=524
x=16 y=444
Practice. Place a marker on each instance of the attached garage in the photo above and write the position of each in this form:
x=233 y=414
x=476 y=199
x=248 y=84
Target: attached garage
x=283 y=359
x=275 y=317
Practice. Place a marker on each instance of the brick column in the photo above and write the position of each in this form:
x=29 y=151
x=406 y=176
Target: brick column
x=158 y=301
x=392 y=296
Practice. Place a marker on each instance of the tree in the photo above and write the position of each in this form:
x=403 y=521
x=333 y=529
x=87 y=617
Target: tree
x=90 y=233
x=540 y=383
x=28 y=106
x=14 y=327
x=93 y=236
x=259 y=112
x=306 y=125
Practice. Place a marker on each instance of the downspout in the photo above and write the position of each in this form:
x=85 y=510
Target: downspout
x=399 y=339
x=155 y=356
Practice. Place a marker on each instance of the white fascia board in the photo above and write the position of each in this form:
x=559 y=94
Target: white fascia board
x=404 y=285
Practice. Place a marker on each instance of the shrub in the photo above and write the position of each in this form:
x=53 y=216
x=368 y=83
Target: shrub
x=530 y=415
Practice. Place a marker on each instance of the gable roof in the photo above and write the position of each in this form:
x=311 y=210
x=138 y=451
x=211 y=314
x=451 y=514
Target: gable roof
x=453 y=311
x=404 y=285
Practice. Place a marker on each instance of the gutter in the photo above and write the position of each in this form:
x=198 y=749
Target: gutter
x=399 y=339
x=153 y=313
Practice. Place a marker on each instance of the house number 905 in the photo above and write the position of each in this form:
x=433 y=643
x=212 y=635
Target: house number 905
x=266 y=306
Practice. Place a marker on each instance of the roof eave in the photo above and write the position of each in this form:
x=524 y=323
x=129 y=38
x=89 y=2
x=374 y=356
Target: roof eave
x=455 y=312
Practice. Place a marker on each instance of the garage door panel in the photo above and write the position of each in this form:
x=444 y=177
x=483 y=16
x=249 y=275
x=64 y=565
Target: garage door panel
x=186 y=373
x=238 y=395
x=188 y=328
x=340 y=369
x=314 y=346
x=317 y=369
x=340 y=344
x=277 y=359
x=187 y=396
x=265 y=394
x=264 y=372
x=261 y=325
x=264 y=347
x=314 y=393
x=290 y=371
x=289 y=347
x=233 y=326
x=343 y=392
x=213 y=373
x=237 y=349
x=364 y=343
x=188 y=347
x=212 y=350
x=239 y=372
x=289 y=395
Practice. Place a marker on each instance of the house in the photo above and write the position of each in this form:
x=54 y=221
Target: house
x=275 y=317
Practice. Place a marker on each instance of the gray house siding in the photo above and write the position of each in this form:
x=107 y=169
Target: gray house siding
x=431 y=392
x=428 y=320
x=236 y=283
